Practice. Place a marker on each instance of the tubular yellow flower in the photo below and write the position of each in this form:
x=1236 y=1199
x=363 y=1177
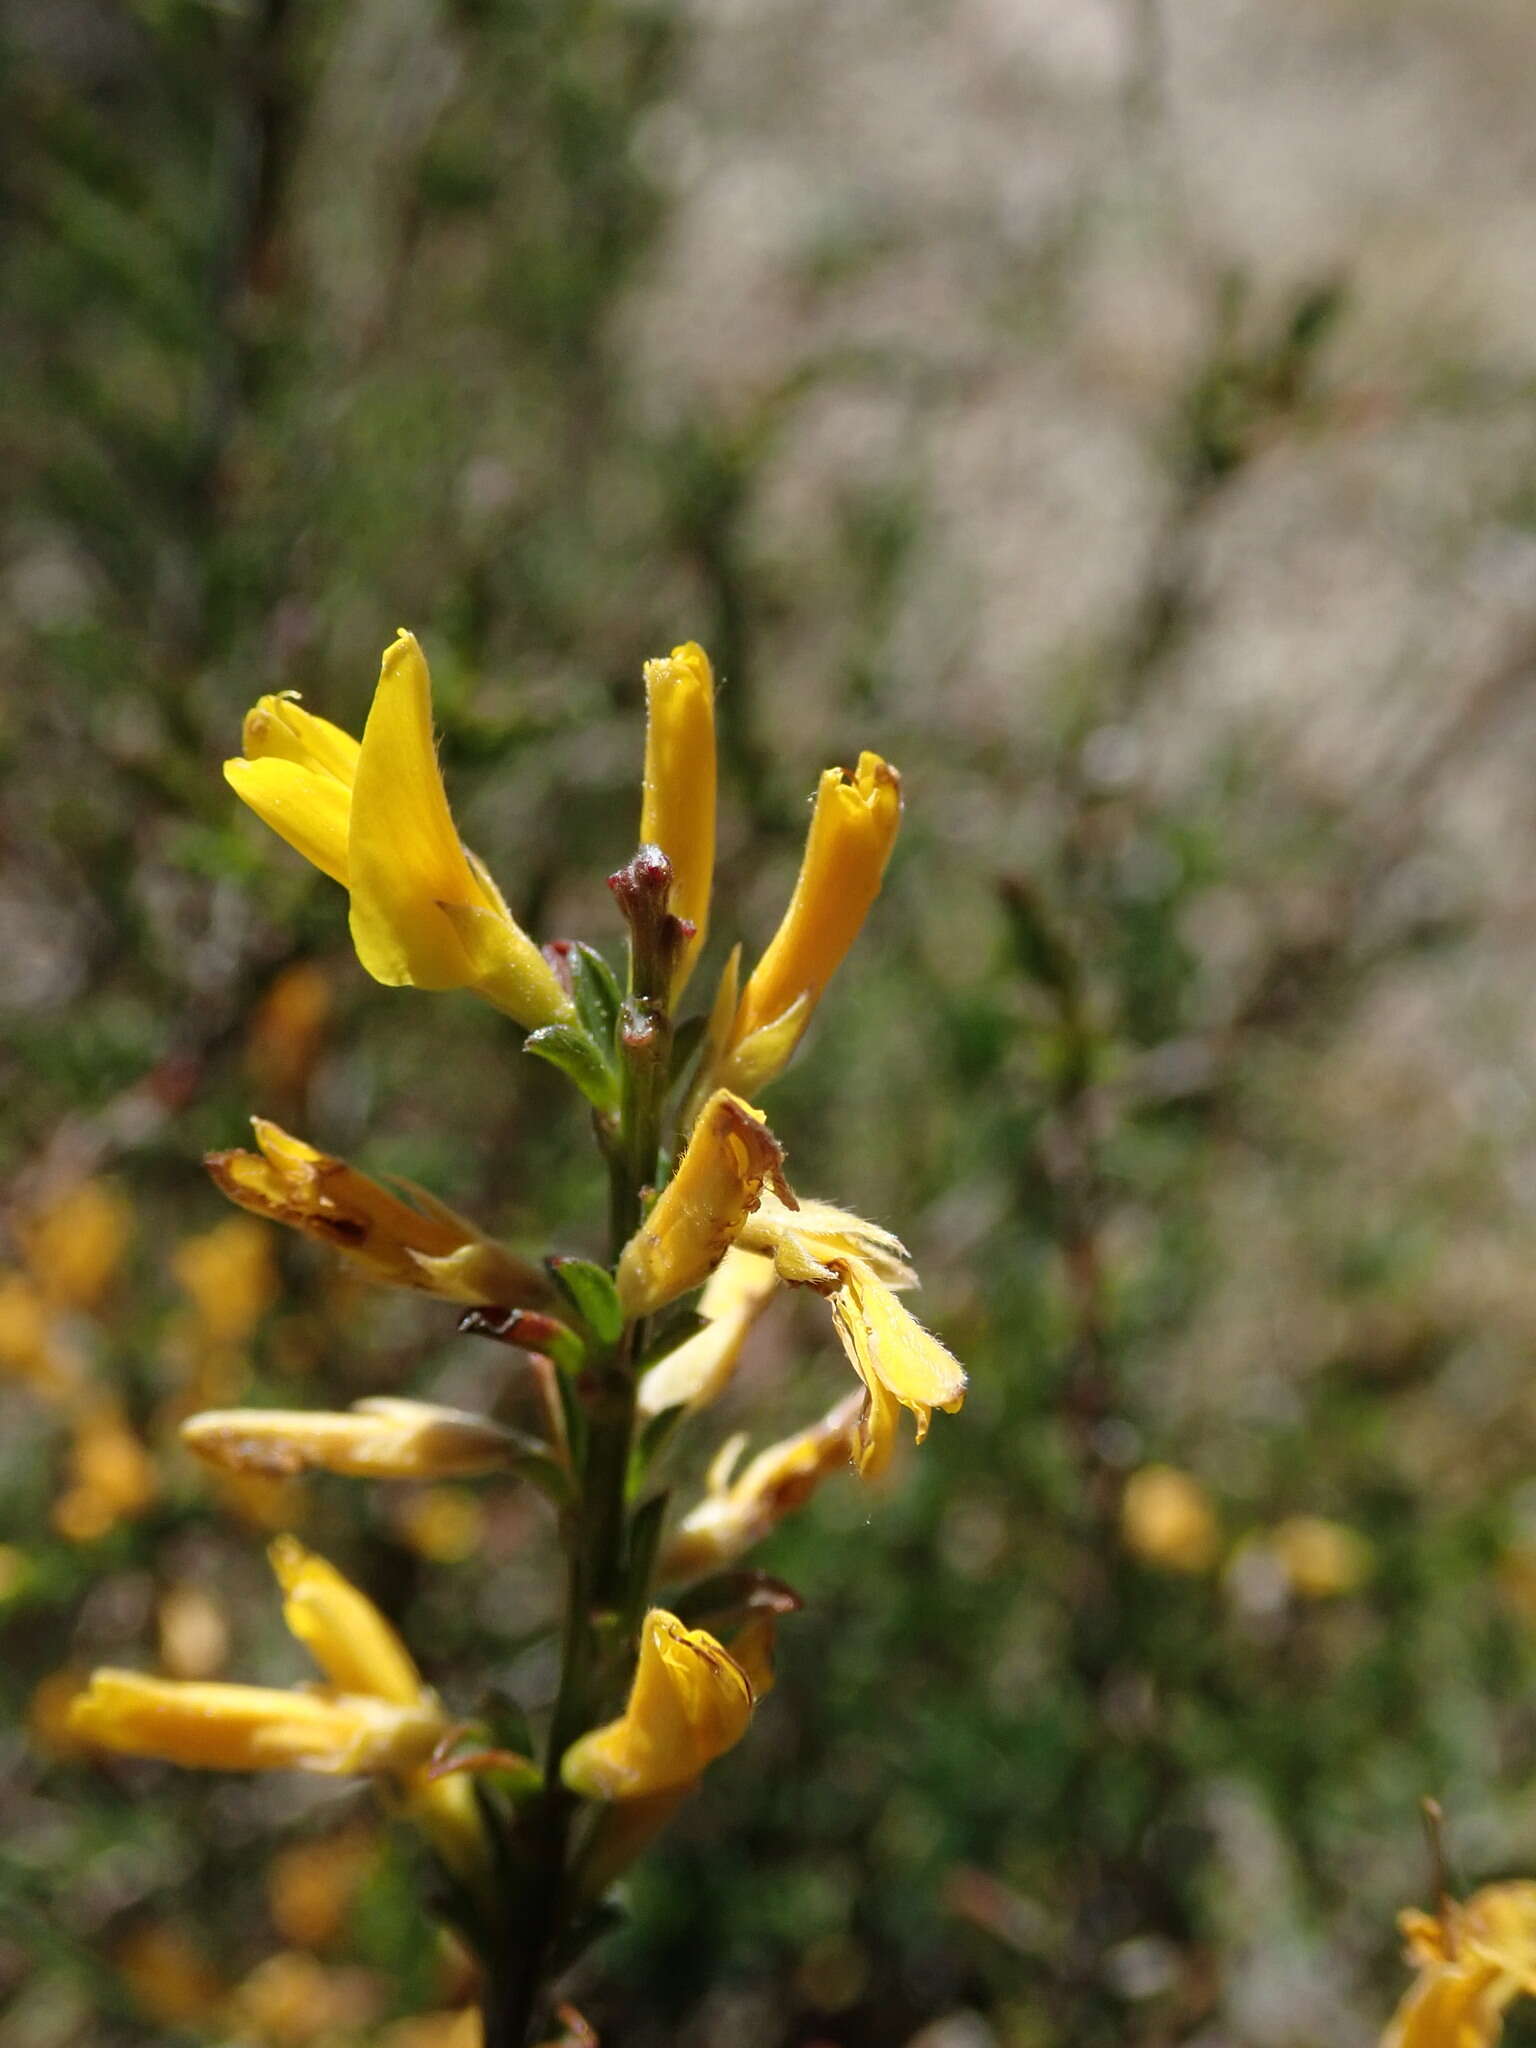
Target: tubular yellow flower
x=342 y=1629
x=853 y=828
x=380 y=1438
x=718 y=1182
x=700 y=1369
x=1473 y=1962
x=690 y=1702
x=249 y=1727
x=421 y=1243
x=374 y=816
x=737 y=1513
x=678 y=810
x=856 y=1265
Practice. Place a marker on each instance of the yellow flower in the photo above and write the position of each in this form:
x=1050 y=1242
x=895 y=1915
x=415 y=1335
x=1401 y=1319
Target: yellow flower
x=1167 y=1520
x=699 y=1369
x=311 y=1886
x=380 y=1438
x=737 y=1513
x=75 y=1243
x=194 y=1635
x=853 y=828
x=112 y=1477
x=1473 y=1962
x=1321 y=1559
x=228 y=1275
x=374 y=1715
x=698 y=1215
x=678 y=810
x=857 y=1267
x=375 y=817
x=690 y=1702
x=248 y=1727
x=170 y=1978
x=421 y=1243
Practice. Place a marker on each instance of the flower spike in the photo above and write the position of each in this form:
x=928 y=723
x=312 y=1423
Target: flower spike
x=678 y=809
x=374 y=816
x=421 y=1243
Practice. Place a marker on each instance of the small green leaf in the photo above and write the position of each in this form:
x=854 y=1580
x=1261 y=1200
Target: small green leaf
x=592 y=1294
x=597 y=994
x=574 y=1053
x=656 y=1435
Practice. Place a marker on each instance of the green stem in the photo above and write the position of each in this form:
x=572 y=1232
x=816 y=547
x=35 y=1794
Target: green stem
x=597 y=1544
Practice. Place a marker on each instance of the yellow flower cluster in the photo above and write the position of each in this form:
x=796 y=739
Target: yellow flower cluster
x=1473 y=1961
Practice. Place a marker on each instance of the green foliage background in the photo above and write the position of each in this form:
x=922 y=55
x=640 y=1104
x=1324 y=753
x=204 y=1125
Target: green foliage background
x=1035 y=398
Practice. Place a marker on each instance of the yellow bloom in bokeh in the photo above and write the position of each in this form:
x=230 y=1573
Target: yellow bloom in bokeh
x=312 y=1886
x=380 y=1438
x=690 y=1702
x=75 y=1243
x=35 y=1346
x=1473 y=1961
x=419 y=1243
x=193 y=1633
x=678 y=808
x=1167 y=1520
x=1322 y=1560
x=853 y=829
x=857 y=1267
x=374 y=816
x=730 y=1156
x=699 y=1369
x=111 y=1475
x=286 y=1033
x=292 y=1999
x=738 y=1512
x=444 y=1524
x=171 y=1980
x=228 y=1275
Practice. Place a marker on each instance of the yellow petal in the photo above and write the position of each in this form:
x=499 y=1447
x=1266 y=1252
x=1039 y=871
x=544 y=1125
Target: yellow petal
x=897 y=1359
x=280 y=729
x=853 y=829
x=421 y=1243
x=739 y=1513
x=248 y=1727
x=1167 y=1520
x=1460 y=2005
x=379 y=1439
x=404 y=856
x=701 y=1210
x=824 y=1234
x=700 y=1368
x=678 y=810
x=312 y=812
x=342 y=1629
x=690 y=1702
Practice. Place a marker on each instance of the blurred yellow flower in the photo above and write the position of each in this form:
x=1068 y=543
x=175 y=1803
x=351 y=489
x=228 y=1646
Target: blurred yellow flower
x=1167 y=1520
x=678 y=809
x=228 y=1275
x=193 y=1632
x=419 y=1243
x=1472 y=1961
x=286 y=1032
x=690 y=1702
x=292 y=1999
x=700 y=1368
x=374 y=816
x=730 y=1156
x=853 y=828
x=171 y=1979
x=383 y=1437
x=75 y=1242
x=50 y=1709
x=1321 y=1559
x=312 y=1886
x=33 y=1346
x=738 y=1512
x=111 y=1474
x=444 y=1524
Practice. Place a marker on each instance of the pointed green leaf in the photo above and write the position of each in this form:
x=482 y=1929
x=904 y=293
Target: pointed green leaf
x=573 y=1052
x=591 y=1292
